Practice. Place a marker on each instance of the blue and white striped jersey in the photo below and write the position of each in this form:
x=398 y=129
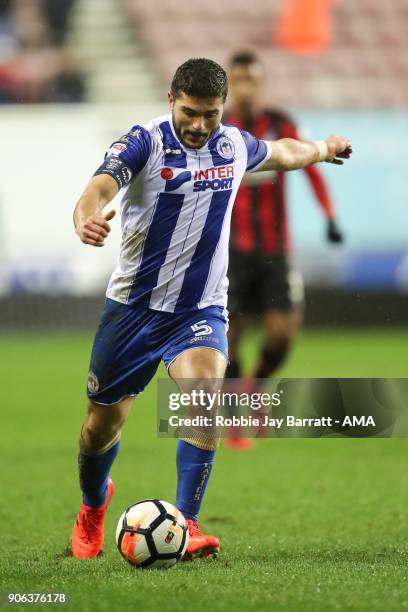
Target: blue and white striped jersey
x=175 y=214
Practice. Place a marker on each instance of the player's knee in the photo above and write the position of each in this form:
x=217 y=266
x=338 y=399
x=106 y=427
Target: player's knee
x=101 y=428
x=95 y=439
x=114 y=414
x=280 y=340
x=204 y=385
x=197 y=367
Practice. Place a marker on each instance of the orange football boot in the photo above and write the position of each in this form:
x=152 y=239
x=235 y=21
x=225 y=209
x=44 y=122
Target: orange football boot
x=238 y=444
x=236 y=440
x=88 y=533
x=199 y=544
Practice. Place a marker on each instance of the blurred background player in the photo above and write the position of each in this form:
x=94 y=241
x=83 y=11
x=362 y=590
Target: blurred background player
x=262 y=282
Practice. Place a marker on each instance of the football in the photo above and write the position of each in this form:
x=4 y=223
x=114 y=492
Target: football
x=152 y=533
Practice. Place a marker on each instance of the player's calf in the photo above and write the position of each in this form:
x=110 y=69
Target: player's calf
x=272 y=356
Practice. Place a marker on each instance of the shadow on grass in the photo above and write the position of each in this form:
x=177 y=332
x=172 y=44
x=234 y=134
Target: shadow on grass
x=221 y=519
x=66 y=553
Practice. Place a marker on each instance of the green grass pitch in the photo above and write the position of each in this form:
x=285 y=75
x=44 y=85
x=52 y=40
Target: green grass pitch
x=305 y=525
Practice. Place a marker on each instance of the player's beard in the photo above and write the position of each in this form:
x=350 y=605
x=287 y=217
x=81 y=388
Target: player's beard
x=191 y=144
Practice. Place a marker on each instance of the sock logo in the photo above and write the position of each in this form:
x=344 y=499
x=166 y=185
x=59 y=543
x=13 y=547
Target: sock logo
x=203 y=478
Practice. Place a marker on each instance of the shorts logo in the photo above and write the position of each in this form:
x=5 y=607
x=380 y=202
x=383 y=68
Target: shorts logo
x=201 y=329
x=225 y=147
x=207 y=339
x=93 y=382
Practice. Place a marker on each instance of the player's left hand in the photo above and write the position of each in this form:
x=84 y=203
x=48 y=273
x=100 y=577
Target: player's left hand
x=338 y=147
x=333 y=233
x=95 y=228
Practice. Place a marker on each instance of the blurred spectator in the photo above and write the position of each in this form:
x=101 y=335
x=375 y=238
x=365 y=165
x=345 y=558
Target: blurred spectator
x=58 y=13
x=37 y=68
x=69 y=84
x=4 y=6
x=7 y=37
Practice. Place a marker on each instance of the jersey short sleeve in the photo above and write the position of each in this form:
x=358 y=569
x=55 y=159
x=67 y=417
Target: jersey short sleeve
x=258 y=151
x=127 y=156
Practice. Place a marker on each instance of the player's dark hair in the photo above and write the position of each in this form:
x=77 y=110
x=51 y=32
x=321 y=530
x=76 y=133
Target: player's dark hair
x=243 y=58
x=200 y=78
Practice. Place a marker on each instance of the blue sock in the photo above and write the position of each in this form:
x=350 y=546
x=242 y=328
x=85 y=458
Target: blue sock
x=94 y=473
x=193 y=470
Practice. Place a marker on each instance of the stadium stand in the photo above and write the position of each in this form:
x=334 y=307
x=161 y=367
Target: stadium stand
x=116 y=63
x=51 y=49
x=366 y=64
x=35 y=66
x=132 y=47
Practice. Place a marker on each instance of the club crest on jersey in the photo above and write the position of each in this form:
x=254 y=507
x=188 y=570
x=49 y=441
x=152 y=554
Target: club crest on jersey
x=225 y=147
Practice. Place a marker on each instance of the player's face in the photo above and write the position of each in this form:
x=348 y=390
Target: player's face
x=245 y=86
x=195 y=119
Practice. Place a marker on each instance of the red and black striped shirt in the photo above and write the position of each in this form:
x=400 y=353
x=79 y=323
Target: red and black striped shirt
x=259 y=218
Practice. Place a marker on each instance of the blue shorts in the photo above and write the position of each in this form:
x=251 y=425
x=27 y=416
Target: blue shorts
x=130 y=341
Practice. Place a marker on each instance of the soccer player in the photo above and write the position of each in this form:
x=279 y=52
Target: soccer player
x=262 y=282
x=166 y=298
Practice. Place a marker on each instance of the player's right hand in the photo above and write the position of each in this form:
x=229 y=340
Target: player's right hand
x=94 y=229
x=338 y=147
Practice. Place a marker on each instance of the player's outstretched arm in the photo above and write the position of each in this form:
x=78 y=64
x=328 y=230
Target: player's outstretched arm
x=289 y=154
x=91 y=224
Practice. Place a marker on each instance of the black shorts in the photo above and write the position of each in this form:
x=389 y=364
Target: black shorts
x=259 y=283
